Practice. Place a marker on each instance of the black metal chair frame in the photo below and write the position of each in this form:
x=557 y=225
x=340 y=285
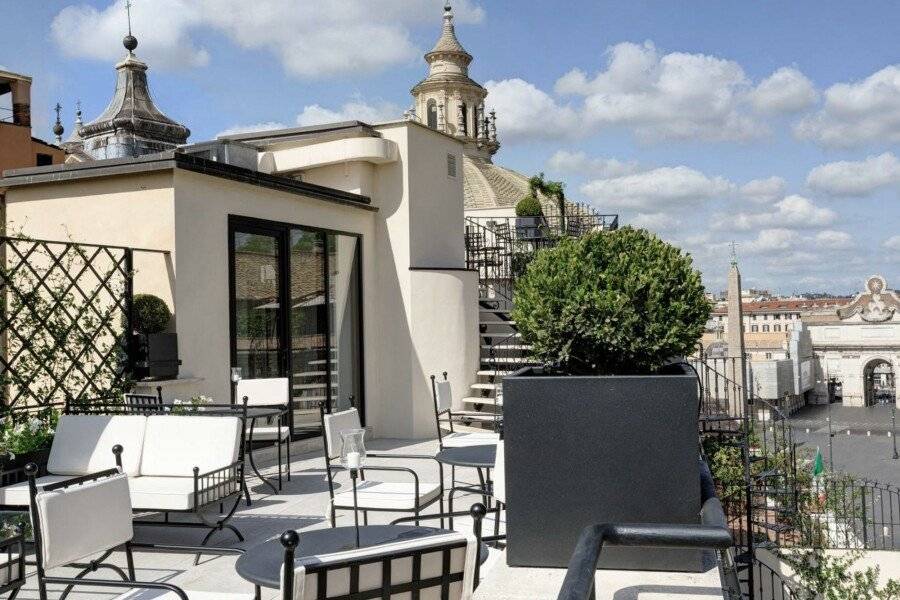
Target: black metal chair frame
x=329 y=468
x=282 y=421
x=137 y=401
x=128 y=579
x=290 y=539
x=7 y=546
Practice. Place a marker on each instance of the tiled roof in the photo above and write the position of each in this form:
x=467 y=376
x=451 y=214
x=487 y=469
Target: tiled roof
x=778 y=306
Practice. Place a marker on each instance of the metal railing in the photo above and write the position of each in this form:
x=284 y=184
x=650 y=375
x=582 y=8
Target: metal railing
x=500 y=248
x=712 y=533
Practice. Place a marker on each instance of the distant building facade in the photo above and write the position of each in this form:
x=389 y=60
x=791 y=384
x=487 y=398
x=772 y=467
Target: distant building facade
x=857 y=347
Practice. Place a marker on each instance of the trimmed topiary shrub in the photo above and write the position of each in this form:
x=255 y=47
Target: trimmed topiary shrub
x=529 y=206
x=151 y=314
x=620 y=302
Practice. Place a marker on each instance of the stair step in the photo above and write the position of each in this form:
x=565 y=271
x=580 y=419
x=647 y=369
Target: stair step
x=493 y=373
x=502 y=334
x=494 y=311
x=311 y=374
x=518 y=347
x=310 y=386
x=518 y=360
x=484 y=386
x=322 y=361
x=489 y=400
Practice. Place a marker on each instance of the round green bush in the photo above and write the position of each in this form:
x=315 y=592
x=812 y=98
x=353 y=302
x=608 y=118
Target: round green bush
x=151 y=314
x=529 y=206
x=620 y=302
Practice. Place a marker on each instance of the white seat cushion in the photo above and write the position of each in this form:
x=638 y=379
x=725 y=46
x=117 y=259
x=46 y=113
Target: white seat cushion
x=459 y=439
x=17 y=494
x=175 y=444
x=83 y=443
x=388 y=496
x=145 y=594
x=84 y=519
x=162 y=493
x=267 y=433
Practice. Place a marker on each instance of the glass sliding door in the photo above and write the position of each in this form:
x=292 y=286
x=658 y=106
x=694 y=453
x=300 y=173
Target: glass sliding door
x=257 y=322
x=344 y=319
x=296 y=313
x=309 y=328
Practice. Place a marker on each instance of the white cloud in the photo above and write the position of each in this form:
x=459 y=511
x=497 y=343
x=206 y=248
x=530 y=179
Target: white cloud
x=772 y=240
x=787 y=90
x=309 y=39
x=855 y=178
x=834 y=240
x=866 y=111
x=655 y=221
x=657 y=189
x=526 y=112
x=792 y=211
x=236 y=129
x=82 y=31
x=764 y=191
x=665 y=96
x=579 y=163
x=355 y=110
x=892 y=243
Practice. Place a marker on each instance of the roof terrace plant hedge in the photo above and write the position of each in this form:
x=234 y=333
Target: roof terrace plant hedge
x=619 y=302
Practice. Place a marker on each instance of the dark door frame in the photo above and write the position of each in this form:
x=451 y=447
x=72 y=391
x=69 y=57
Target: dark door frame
x=282 y=232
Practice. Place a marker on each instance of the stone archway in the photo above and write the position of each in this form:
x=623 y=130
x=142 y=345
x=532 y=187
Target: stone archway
x=879 y=382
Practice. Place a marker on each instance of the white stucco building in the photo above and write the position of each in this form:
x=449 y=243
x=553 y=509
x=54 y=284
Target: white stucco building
x=857 y=347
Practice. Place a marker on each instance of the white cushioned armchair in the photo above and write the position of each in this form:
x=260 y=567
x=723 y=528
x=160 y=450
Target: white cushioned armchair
x=410 y=496
x=101 y=503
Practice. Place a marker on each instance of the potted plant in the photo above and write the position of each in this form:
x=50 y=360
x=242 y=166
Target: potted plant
x=25 y=438
x=529 y=218
x=156 y=351
x=606 y=430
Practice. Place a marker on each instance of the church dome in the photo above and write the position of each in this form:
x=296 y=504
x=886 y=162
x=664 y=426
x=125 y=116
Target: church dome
x=486 y=185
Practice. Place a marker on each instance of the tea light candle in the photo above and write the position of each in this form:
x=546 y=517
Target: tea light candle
x=353 y=460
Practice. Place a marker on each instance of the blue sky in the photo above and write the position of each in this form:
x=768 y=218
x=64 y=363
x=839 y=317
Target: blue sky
x=774 y=124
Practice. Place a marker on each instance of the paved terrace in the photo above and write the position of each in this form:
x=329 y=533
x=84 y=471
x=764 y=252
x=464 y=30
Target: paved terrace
x=302 y=506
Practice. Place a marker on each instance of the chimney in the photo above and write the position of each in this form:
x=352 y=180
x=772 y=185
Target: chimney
x=21 y=101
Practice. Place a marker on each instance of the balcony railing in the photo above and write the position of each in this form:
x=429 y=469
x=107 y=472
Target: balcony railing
x=500 y=248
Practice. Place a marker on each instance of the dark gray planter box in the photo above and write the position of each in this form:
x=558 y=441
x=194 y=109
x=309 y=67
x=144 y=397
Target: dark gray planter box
x=587 y=450
x=156 y=356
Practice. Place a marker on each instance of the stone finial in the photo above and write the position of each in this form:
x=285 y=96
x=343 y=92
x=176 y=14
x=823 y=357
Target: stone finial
x=493 y=125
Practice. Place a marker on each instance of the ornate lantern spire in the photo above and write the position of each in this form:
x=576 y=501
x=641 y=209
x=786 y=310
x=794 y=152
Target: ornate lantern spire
x=58 y=129
x=131 y=125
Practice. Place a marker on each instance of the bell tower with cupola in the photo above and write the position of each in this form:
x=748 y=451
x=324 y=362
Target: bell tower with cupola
x=450 y=101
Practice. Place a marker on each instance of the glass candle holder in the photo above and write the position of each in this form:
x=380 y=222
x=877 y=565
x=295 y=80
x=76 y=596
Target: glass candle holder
x=353 y=448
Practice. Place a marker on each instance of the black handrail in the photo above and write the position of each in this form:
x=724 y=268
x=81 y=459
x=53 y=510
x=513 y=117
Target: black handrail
x=711 y=533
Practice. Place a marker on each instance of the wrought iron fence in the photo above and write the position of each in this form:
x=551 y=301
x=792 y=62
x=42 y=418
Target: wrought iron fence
x=769 y=584
x=65 y=311
x=500 y=248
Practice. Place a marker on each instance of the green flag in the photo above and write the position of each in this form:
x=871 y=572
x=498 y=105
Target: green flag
x=818 y=463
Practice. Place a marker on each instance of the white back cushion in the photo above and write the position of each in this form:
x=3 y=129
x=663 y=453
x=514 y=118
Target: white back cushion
x=500 y=473
x=83 y=443
x=462 y=561
x=85 y=519
x=335 y=423
x=444 y=396
x=269 y=391
x=175 y=444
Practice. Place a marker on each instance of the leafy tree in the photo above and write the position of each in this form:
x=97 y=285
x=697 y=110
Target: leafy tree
x=529 y=206
x=619 y=302
x=828 y=577
x=151 y=314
